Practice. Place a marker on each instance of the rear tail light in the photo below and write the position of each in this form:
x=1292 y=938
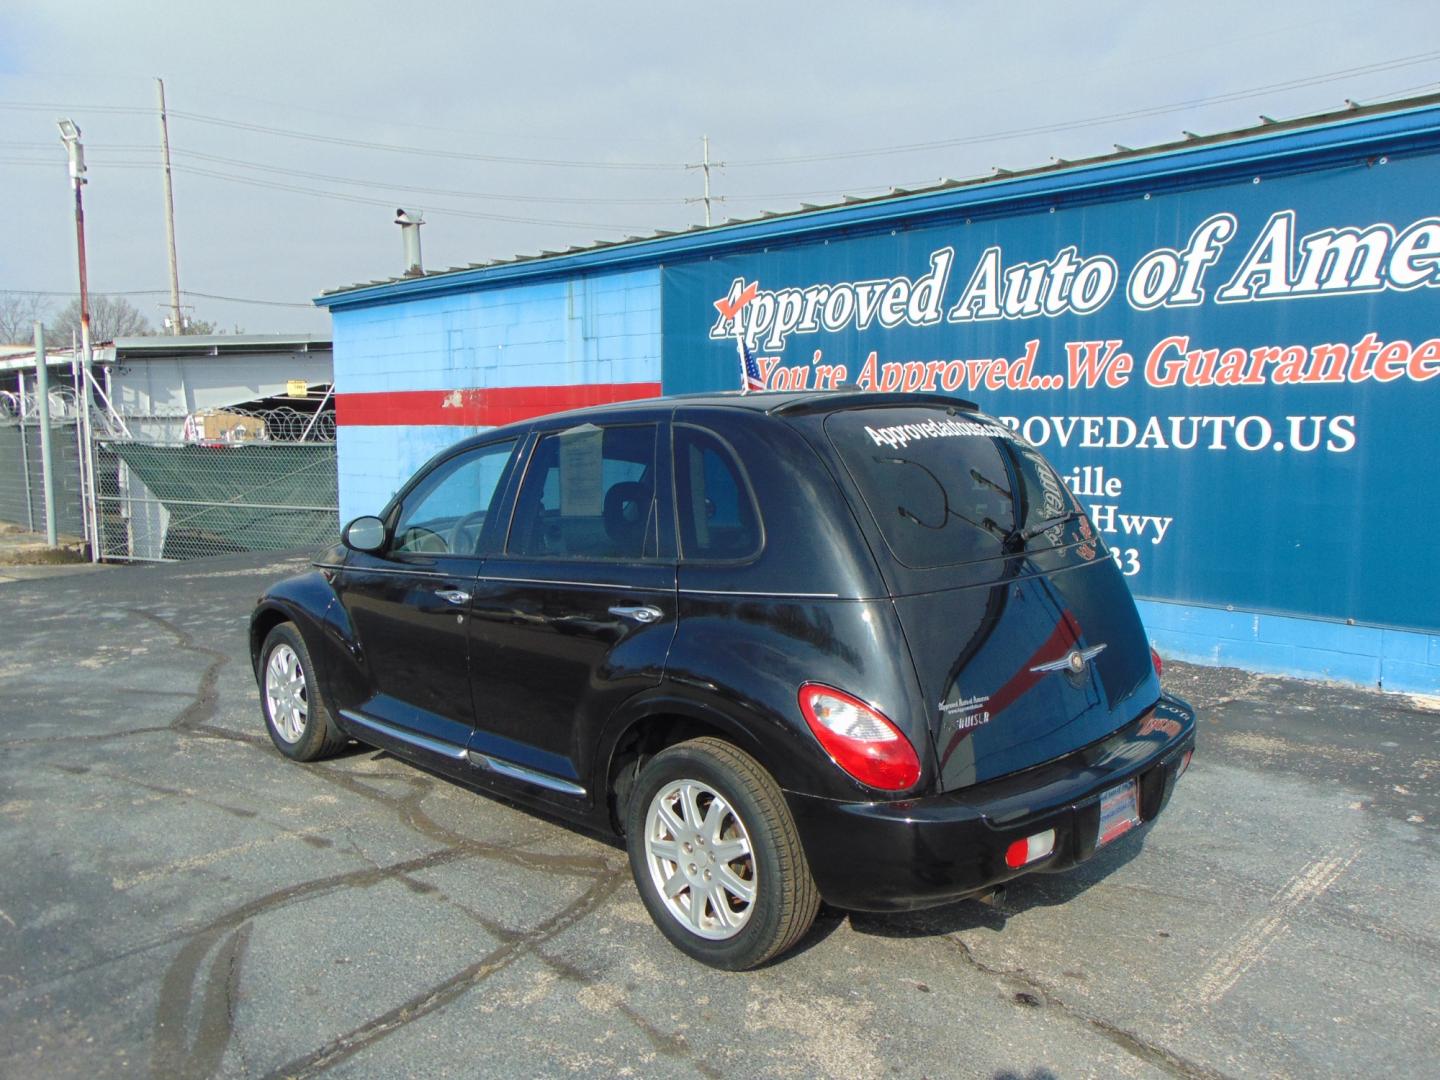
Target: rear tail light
x=1184 y=764
x=859 y=739
x=1159 y=664
x=1031 y=849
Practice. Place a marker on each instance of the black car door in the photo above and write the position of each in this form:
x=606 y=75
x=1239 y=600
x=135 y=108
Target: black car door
x=409 y=604
x=576 y=610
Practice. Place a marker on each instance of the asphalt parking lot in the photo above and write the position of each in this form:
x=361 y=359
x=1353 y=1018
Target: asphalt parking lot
x=176 y=900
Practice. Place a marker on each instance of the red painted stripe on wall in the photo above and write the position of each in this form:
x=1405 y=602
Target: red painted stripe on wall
x=478 y=408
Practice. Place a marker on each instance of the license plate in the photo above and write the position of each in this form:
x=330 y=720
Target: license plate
x=1119 y=812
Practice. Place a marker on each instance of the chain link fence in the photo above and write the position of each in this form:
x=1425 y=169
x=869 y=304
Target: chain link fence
x=22 y=493
x=220 y=482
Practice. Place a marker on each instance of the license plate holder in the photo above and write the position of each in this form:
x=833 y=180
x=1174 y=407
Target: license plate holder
x=1119 y=812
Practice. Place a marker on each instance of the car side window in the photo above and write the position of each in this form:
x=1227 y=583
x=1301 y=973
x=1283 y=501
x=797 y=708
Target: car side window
x=589 y=493
x=717 y=514
x=446 y=511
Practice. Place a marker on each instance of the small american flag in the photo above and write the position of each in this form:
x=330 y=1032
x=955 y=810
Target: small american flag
x=749 y=370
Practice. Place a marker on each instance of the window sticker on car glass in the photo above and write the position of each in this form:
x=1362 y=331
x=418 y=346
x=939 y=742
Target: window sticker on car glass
x=1054 y=504
x=899 y=435
x=581 y=472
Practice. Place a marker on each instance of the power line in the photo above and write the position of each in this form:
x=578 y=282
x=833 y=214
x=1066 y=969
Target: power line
x=161 y=292
x=51 y=163
x=390 y=122
x=47 y=106
x=597 y=200
x=365 y=144
x=89 y=146
x=247 y=300
x=365 y=201
x=242 y=163
x=1133 y=114
x=382 y=185
x=357 y=182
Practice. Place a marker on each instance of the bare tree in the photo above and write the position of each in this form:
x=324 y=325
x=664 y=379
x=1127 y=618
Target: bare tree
x=18 y=314
x=111 y=317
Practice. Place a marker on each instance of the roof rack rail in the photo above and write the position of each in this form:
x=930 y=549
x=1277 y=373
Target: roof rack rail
x=831 y=401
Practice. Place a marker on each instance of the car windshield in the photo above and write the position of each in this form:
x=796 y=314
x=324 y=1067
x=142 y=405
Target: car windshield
x=945 y=487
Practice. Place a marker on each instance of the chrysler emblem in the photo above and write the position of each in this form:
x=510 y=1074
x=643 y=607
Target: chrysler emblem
x=1074 y=661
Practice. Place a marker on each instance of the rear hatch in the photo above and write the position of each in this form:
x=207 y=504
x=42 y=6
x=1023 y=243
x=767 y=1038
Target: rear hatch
x=1025 y=638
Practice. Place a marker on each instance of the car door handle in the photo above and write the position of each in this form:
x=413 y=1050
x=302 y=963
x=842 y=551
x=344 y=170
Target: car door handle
x=645 y=613
x=455 y=596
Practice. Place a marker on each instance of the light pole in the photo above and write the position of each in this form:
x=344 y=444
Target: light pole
x=70 y=136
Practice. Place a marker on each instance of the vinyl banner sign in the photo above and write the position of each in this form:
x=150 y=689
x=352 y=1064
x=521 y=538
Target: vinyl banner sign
x=1240 y=382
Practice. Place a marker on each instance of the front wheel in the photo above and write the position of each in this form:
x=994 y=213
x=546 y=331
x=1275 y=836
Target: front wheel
x=299 y=724
x=716 y=855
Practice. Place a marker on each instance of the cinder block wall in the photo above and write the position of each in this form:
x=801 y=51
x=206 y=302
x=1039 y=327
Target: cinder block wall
x=414 y=377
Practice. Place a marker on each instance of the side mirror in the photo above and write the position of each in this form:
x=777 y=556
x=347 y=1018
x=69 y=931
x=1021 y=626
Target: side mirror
x=364 y=534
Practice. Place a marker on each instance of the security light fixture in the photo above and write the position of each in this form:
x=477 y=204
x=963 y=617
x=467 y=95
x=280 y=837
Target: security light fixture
x=70 y=136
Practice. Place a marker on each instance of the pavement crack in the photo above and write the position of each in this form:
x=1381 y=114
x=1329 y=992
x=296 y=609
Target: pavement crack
x=174 y=1056
x=274 y=901
x=428 y=1001
x=674 y=1046
x=410 y=812
x=210 y=731
x=107 y=736
x=188 y=794
x=1133 y=1044
x=232 y=991
x=202 y=706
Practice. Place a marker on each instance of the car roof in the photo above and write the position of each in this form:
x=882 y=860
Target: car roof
x=773 y=402
x=778 y=403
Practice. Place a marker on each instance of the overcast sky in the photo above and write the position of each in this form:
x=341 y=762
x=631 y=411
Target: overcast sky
x=603 y=88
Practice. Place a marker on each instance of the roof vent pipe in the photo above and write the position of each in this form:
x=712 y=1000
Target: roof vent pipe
x=410 y=222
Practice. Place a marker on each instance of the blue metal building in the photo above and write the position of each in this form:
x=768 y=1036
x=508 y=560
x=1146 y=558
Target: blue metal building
x=1228 y=346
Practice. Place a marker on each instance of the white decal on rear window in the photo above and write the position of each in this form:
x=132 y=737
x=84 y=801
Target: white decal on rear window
x=904 y=434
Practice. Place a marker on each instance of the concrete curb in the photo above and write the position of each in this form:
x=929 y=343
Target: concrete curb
x=21 y=548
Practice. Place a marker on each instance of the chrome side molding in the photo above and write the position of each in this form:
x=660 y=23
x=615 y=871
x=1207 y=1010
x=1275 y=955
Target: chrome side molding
x=498 y=766
x=414 y=738
x=512 y=771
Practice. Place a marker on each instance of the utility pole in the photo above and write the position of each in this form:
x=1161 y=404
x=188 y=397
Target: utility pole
x=175 y=326
x=705 y=168
x=70 y=136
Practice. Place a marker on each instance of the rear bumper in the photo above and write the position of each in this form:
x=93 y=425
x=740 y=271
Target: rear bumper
x=915 y=853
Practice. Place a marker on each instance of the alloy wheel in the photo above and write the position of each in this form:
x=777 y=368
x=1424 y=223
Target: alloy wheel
x=285 y=699
x=700 y=859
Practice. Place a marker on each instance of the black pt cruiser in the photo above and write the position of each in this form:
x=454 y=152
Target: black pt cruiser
x=864 y=648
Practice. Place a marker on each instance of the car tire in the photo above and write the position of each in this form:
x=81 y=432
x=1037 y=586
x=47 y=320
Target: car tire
x=692 y=805
x=299 y=724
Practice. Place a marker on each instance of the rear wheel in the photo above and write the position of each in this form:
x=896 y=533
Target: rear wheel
x=299 y=724
x=716 y=855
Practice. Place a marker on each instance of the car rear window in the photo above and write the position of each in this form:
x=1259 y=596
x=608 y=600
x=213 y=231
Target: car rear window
x=945 y=487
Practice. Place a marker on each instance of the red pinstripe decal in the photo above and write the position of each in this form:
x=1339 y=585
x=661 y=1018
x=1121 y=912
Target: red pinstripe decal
x=478 y=408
